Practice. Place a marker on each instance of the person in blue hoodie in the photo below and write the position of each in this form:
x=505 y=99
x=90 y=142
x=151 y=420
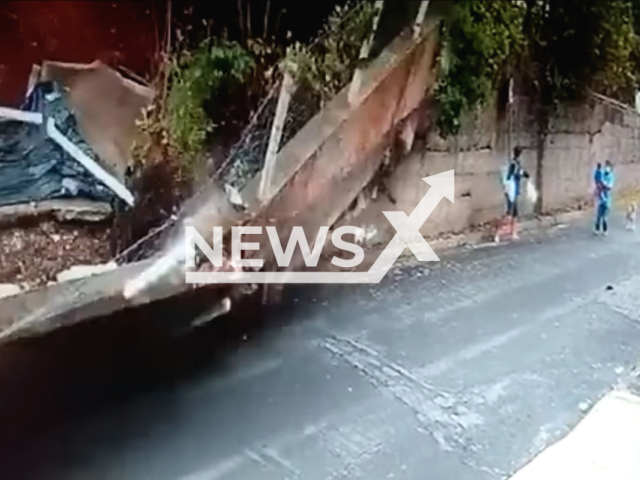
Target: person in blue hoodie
x=511 y=182
x=604 y=199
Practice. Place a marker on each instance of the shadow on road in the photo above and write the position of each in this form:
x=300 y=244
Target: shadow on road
x=77 y=372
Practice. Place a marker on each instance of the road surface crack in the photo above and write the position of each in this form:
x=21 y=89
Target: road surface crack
x=438 y=413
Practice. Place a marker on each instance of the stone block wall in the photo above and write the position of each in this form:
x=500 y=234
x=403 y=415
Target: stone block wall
x=580 y=135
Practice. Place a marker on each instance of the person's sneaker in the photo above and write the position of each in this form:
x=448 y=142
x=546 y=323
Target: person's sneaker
x=596 y=232
x=605 y=233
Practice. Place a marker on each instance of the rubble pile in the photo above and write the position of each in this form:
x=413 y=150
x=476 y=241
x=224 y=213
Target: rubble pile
x=32 y=256
x=62 y=170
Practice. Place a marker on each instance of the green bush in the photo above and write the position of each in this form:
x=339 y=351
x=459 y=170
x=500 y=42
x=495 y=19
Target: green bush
x=478 y=44
x=560 y=48
x=195 y=77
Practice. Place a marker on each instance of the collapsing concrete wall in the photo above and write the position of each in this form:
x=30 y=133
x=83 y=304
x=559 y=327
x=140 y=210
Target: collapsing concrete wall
x=325 y=166
x=318 y=174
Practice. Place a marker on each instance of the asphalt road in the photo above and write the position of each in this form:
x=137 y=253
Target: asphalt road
x=463 y=369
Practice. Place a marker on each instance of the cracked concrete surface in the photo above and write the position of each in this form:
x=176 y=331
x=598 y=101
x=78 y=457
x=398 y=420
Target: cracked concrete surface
x=465 y=369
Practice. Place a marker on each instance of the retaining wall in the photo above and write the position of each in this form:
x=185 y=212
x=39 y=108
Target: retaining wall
x=580 y=135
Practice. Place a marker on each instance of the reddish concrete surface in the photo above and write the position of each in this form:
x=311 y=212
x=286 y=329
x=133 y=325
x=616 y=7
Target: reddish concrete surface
x=115 y=32
x=343 y=162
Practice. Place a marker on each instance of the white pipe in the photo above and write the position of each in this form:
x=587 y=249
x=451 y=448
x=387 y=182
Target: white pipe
x=88 y=163
x=100 y=173
x=21 y=115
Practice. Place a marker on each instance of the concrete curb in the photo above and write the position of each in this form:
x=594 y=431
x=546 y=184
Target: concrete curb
x=484 y=234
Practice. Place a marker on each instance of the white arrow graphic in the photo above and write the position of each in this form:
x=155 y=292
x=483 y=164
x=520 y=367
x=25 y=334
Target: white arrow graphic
x=442 y=185
x=408 y=235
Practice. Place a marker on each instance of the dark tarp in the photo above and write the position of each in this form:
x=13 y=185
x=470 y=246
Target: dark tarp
x=35 y=168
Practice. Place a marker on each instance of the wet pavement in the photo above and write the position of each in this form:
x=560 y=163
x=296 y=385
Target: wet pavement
x=463 y=369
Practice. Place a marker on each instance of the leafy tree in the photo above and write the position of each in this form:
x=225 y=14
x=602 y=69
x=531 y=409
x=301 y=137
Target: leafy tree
x=562 y=48
x=579 y=45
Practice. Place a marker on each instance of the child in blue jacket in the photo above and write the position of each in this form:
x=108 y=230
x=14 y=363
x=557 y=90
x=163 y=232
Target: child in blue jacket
x=604 y=199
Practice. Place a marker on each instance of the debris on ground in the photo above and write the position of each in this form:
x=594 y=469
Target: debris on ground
x=64 y=156
x=34 y=255
x=107 y=106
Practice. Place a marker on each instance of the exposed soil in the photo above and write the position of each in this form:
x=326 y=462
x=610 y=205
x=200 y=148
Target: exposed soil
x=33 y=254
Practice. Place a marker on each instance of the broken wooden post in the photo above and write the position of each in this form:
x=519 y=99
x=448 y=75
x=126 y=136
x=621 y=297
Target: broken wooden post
x=356 y=82
x=422 y=12
x=34 y=78
x=286 y=91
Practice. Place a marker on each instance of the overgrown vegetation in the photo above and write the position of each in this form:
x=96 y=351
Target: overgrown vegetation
x=561 y=48
x=478 y=46
x=196 y=77
x=207 y=88
x=201 y=75
x=178 y=122
x=580 y=45
x=196 y=80
x=327 y=66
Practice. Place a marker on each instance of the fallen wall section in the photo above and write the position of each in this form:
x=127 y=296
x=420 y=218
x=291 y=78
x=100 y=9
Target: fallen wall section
x=326 y=165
